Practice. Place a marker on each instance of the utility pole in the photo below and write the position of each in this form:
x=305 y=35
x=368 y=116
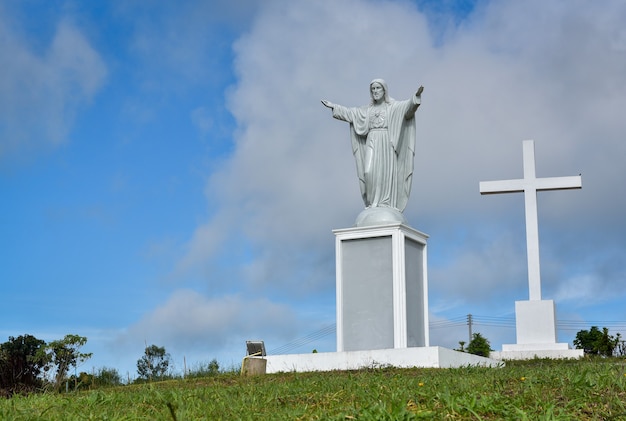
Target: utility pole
x=469 y=323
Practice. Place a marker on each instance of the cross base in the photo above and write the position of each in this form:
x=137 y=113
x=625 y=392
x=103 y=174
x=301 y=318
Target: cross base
x=535 y=322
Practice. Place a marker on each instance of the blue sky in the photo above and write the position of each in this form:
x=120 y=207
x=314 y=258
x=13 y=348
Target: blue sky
x=169 y=175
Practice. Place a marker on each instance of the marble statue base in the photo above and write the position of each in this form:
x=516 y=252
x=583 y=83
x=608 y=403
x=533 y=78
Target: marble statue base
x=379 y=216
x=382 y=288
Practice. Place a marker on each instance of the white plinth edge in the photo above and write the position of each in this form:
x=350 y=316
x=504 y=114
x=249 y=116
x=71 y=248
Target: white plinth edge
x=426 y=357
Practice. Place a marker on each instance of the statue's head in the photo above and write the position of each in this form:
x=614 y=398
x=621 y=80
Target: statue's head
x=382 y=84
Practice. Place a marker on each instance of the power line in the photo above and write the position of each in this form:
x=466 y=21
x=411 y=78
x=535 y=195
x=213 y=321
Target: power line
x=471 y=320
x=299 y=342
x=474 y=320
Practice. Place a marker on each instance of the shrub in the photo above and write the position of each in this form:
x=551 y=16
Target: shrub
x=479 y=345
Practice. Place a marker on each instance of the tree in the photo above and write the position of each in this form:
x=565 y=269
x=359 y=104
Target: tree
x=154 y=363
x=107 y=377
x=608 y=343
x=479 y=345
x=103 y=377
x=214 y=367
x=22 y=360
x=84 y=381
x=597 y=342
x=65 y=354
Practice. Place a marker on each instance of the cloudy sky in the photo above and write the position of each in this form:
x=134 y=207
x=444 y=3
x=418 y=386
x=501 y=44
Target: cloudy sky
x=169 y=175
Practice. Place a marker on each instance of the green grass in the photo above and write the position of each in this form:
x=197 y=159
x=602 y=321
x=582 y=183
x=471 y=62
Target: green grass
x=532 y=390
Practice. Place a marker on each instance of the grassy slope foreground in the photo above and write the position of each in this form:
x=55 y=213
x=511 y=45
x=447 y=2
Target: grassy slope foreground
x=533 y=390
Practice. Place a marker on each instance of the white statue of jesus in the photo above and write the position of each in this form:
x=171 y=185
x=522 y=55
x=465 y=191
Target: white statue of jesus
x=383 y=143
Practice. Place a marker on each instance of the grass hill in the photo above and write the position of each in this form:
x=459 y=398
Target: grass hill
x=587 y=389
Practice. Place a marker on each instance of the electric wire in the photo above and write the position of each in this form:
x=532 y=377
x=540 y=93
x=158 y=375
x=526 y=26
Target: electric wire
x=506 y=322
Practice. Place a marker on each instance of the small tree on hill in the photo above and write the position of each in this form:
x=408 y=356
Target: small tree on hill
x=65 y=354
x=154 y=363
x=479 y=345
x=214 y=367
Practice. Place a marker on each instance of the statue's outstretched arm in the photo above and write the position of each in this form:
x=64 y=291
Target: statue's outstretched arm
x=417 y=100
x=328 y=104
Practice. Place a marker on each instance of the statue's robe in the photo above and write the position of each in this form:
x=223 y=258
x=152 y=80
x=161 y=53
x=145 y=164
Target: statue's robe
x=384 y=155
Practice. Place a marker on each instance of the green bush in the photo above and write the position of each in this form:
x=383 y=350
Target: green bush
x=479 y=345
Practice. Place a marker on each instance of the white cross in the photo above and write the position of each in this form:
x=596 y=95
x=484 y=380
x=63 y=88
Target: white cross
x=530 y=184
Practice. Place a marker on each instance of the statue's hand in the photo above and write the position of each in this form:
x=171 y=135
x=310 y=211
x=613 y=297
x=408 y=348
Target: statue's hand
x=328 y=104
x=419 y=91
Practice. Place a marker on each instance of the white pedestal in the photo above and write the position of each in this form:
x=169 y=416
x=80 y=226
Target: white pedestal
x=382 y=307
x=382 y=288
x=535 y=322
x=427 y=357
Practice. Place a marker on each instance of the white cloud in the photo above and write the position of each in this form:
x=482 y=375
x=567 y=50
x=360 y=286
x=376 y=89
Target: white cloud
x=481 y=271
x=202 y=119
x=604 y=280
x=40 y=93
x=189 y=320
x=581 y=288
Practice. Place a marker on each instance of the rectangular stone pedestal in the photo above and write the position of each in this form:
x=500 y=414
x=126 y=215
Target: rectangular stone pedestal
x=382 y=288
x=535 y=322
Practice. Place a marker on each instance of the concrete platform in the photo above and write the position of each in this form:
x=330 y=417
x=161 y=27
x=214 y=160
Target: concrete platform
x=541 y=350
x=426 y=357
